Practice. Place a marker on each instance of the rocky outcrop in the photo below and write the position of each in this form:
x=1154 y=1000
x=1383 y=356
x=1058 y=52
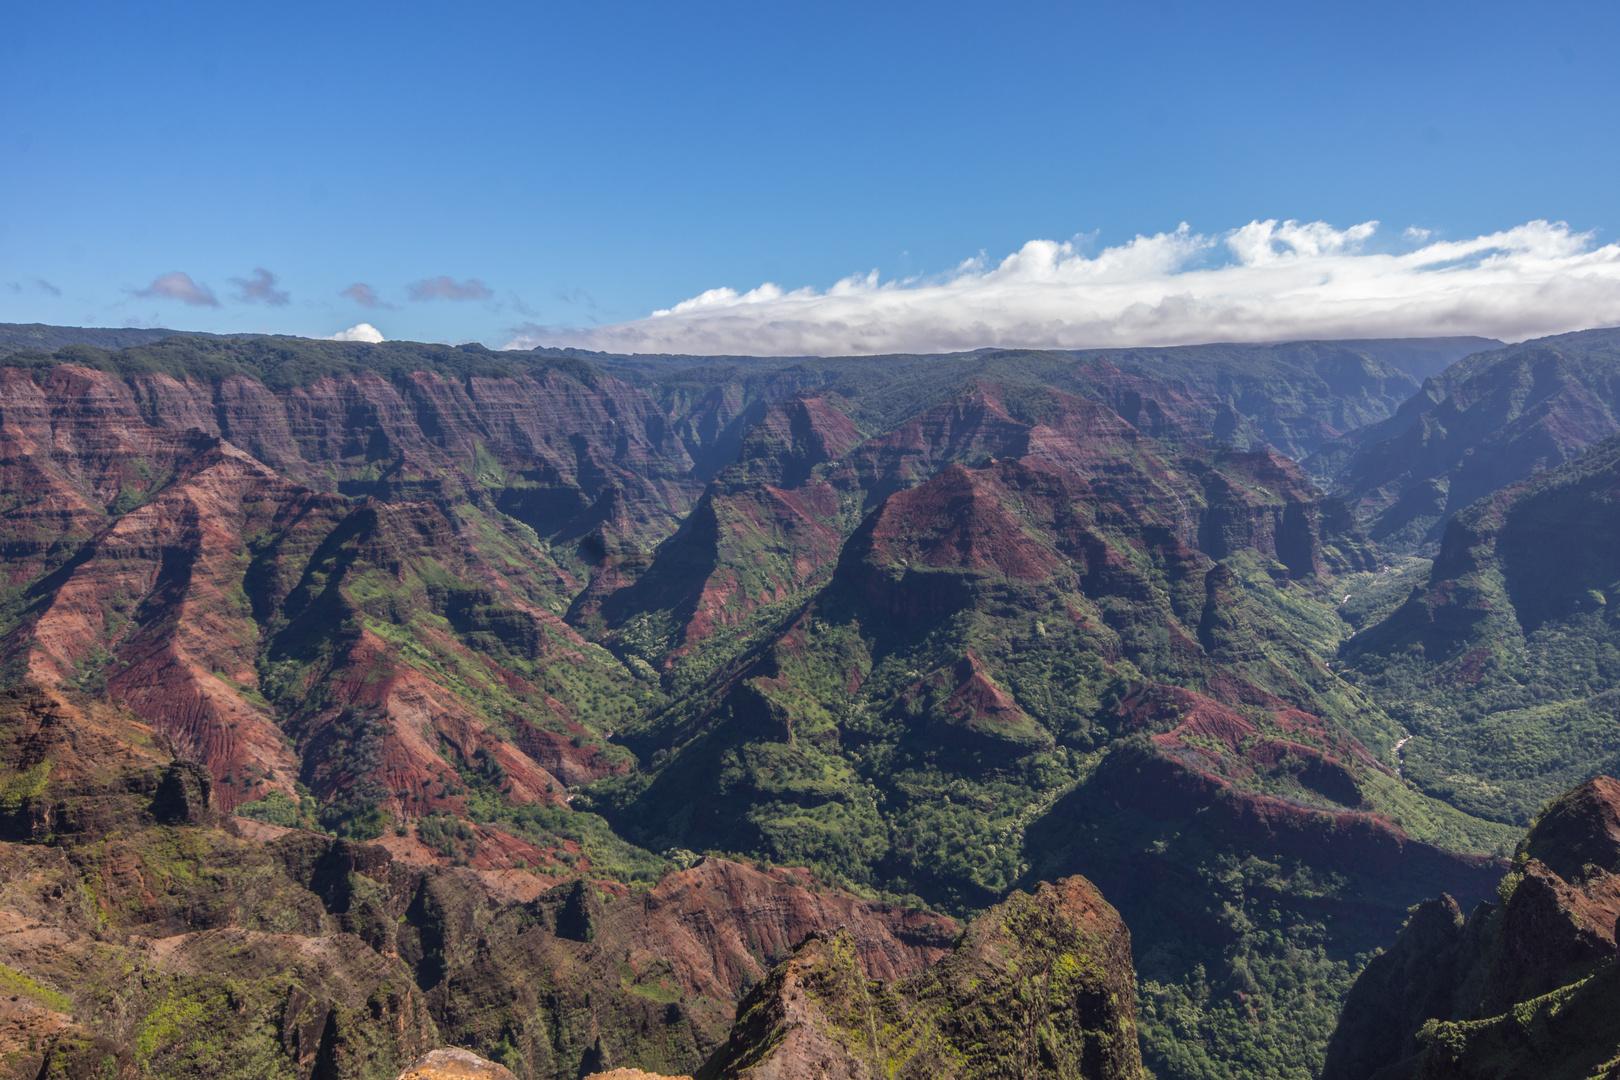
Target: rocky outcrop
x=138 y=924
x=454 y=1064
x=1526 y=987
x=793 y=438
x=1040 y=986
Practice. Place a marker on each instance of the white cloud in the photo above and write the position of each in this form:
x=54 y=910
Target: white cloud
x=179 y=286
x=1416 y=234
x=1266 y=281
x=363 y=332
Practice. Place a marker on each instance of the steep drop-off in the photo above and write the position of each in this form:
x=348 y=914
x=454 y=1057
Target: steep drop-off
x=934 y=627
x=1039 y=986
x=945 y=716
x=1527 y=987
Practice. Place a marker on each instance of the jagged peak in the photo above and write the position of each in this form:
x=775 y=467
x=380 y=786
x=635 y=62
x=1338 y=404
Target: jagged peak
x=1579 y=830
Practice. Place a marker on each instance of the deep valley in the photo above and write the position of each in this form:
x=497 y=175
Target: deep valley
x=1204 y=712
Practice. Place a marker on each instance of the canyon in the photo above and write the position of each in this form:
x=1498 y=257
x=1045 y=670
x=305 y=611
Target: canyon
x=663 y=713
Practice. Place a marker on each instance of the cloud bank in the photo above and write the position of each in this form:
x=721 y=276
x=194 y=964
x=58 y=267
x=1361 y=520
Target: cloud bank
x=442 y=288
x=1267 y=281
x=362 y=332
x=179 y=286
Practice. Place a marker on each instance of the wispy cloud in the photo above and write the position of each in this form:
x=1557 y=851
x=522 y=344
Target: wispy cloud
x=362 y=332
x=39 y=283
x=1266 y=281
x=442 y=288
x=364 y=295
x=515 y=302
x=260 y=288
x=179 y=286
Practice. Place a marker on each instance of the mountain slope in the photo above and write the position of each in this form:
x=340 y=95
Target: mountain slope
x=934 y=627
x=1043 y=647
x=1298 y=395
x=1503 y=666
x=1486 y=422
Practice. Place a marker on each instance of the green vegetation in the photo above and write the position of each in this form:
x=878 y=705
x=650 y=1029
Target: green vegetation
x=277 y=809
x=1503 y=665
x=24 y=785
x=1262 y=1003
x=1038 y=977
x=15 y=984
x=450 y=837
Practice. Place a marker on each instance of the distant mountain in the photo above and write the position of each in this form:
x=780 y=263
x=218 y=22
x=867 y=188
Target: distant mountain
x=1296 y=396
x=1483 y=423
x=1299 y=395
x=1422 y=357
x=15 y=337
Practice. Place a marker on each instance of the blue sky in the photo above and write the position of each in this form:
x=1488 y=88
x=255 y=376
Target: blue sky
x=568 y=166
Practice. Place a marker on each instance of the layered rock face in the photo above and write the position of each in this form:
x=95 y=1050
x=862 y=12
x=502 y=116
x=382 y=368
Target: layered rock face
x=773 y=524
x=259 y=623
x=1040 y=986
x=556 y=448
x=1525 y=987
